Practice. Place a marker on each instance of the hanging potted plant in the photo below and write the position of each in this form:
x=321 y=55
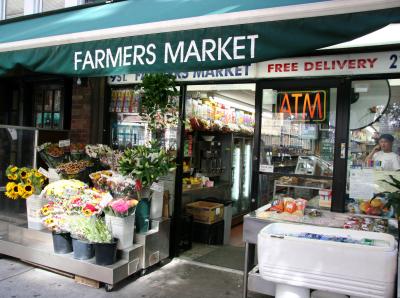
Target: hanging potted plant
x=83 y=249
x=105 y=246
x=27 y=183
x=145 y=164
x=120 y=218
x=159 y=100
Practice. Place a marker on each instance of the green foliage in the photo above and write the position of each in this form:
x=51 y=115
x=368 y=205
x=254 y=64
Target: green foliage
x=80 y=227
x=393 y=198
x=97 y=231
x=158 y=91
x=146 y=164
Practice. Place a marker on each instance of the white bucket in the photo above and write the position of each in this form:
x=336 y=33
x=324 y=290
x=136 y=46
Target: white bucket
x=122 y=228
x=33 y=205
x=156 y=207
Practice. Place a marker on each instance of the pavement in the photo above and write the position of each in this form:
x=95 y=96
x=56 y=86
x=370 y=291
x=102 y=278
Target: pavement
x=176 y=279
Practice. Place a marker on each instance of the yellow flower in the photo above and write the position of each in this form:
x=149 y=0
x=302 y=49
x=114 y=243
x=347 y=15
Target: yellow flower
x=87 y=212
x=49 y=221
x=12 y=195
x=23 y=174
x=38 y=175
x=11 y=177
x=10 y=186
x=28 y=190
x=13 y=169
x=45 y=210
x=28 y=181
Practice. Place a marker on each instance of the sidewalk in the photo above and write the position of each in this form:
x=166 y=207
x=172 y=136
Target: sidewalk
x=177 y=279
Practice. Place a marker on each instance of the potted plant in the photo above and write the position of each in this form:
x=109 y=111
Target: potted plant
x=27 y=183
x=105 y=246
x=57 y=222
x=145 y=164
x=120 y=218
x=83 y=249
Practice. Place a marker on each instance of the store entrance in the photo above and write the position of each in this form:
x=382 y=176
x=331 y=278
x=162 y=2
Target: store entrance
x=301 y=129
x=217 y=170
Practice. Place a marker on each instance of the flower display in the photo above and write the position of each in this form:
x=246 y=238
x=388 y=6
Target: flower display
x=121 y=207
x=146 y=164
x=23 y=182
x=98 y=151
x=113 y=182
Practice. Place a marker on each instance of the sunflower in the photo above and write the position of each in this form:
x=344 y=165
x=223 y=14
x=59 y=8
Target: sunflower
x=38 y=175
x=23 y=174
x=12 y=177
x=48 y=221
x=10 y=186
x=11 y=194
x=13 y=169
x=28 y=190
x=45 y=210
x=87 y=212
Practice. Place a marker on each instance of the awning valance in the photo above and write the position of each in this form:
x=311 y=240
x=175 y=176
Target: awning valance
x=158 y=35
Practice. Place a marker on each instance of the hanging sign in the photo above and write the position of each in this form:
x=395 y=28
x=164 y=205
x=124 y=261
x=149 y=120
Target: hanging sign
x=302 y=105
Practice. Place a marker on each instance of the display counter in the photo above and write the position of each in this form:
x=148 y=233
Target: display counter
x=255 y=221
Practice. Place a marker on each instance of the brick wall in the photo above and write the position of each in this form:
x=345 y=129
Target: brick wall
x=81 y=113
x=87 y=111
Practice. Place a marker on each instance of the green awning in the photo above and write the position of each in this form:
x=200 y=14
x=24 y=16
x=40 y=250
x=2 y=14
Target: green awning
x=181 y=35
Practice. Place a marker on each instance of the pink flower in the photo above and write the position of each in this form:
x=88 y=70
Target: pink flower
x=120 y=206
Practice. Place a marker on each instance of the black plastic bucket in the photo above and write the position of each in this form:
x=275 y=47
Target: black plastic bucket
x=62 y=243
x=106 y=253
x=83 y=250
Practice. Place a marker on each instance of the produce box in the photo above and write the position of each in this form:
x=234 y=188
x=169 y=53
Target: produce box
x=206 y=212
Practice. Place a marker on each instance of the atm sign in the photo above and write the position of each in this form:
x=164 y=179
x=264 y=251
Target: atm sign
x=302 y=105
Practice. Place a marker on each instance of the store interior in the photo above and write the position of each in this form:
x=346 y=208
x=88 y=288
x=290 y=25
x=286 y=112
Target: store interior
x=218 y=145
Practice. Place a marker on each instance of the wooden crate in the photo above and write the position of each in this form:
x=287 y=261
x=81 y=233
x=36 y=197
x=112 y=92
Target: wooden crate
x=206 y=212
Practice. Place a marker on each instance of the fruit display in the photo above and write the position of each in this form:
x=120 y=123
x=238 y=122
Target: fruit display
x=375 y=207
x=192 y=183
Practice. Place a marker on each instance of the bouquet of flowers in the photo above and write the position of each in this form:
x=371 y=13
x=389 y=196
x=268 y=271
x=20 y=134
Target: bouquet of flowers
x=89 y=202
x=146 y=164
x=61 y=190
x=121 y=208
x=98 y=151
x=23 y=182
x=117 y=184
x=54 y=218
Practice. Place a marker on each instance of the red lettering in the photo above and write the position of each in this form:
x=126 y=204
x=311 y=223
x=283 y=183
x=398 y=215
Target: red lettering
x=318 y=65
x=311 y=110
x=308 y=66
x=352 y=64
x=286 y=67
x=295 y=66
x=283 y=109
x=361 y=63
x=278 y=67
x=326 y=65
x=342 y=64
x=270 y=67
x=372 y=62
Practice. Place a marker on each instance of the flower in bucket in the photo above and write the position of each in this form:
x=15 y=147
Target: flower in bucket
x=23 y=182
x=121 y=207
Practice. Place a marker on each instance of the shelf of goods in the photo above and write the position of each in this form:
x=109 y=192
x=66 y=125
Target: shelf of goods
x=37 y=247
x=256 y=221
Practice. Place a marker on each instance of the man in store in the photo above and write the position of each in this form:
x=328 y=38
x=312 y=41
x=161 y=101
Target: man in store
x=382 y=152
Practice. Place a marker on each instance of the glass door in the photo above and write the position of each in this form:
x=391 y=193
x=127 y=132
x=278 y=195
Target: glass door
x=298 y=143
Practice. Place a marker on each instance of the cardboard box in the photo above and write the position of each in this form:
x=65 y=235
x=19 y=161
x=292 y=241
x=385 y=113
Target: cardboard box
x=206 y=212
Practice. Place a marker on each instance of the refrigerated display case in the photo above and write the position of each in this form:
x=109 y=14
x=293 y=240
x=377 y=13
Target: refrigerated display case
x=241 y=174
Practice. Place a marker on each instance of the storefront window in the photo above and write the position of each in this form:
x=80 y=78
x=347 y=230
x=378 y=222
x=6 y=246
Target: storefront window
x=297 y=145
x=52 y=4
x=48 y=107
x=14 y=8
x=374 y=144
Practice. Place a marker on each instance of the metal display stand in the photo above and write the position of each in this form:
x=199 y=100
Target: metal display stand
x=37 y=247
x=252 y=225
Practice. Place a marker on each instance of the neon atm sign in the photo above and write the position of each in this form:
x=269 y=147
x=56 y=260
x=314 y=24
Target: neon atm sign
x=302 y=105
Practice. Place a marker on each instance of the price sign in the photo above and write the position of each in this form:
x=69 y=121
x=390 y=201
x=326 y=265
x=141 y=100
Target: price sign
x=64 y=143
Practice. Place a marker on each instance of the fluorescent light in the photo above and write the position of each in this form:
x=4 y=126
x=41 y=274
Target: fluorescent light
x=394 y=82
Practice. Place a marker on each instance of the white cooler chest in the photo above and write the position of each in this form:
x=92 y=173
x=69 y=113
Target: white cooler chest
x=346 y=268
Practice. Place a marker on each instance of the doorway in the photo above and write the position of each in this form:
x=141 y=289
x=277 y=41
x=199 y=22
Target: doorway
x=217 y=169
